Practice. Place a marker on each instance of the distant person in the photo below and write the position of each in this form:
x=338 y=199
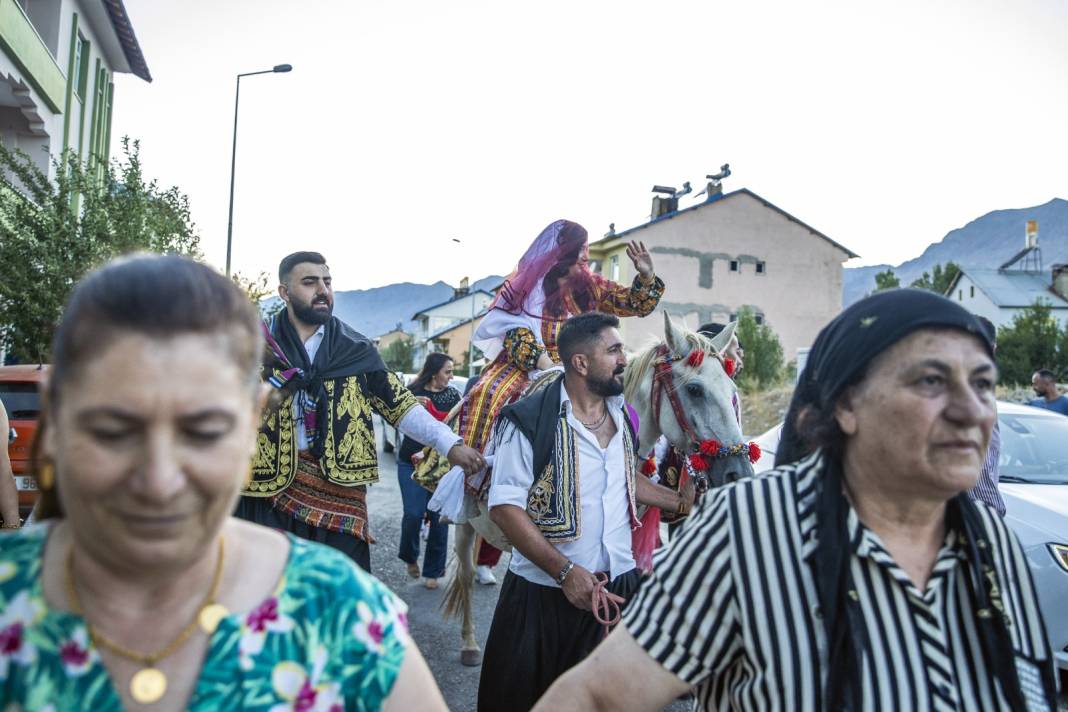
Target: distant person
x=733 y=351
x=9 y=495
x=431 y=387
x=1045 y=384
x=986 y=489
x=315 y=453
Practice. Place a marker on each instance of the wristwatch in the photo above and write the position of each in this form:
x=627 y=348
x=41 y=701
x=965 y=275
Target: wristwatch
x=560 y=577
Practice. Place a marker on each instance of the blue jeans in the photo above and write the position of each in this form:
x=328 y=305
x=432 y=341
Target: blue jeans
x=415 y=499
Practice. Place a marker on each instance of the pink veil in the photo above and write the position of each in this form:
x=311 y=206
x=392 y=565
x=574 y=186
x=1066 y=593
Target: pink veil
x=521 y=300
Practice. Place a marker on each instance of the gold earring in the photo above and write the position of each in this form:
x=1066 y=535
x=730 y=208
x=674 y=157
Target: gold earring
x=46 y=476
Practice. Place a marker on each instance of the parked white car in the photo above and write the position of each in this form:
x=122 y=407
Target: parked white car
x=1034 y=483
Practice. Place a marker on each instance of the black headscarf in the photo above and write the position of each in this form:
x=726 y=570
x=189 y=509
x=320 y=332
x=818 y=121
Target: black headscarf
x=839 y=358
x=343 y=352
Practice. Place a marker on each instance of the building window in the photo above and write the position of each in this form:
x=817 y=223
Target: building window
x=81 y=66
x=760 y=268
x=595 y=266
x=960 y=295
x=758 y=318
x=971 y=291
x=734 y=266
x=613 y=266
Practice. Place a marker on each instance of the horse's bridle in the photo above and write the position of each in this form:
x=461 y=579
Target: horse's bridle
x=662 y=383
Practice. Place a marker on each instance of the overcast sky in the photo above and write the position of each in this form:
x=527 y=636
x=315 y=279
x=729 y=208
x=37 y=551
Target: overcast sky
x=403 y=125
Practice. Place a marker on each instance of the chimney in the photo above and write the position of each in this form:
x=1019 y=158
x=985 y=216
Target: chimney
x=666 y=203
x=1060 y=280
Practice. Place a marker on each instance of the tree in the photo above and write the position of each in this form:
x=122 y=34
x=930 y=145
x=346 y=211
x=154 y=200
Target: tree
x=1029 y=344
x=258 y=290
x=763 y=352
x=886 y=280
x=54 y=231
x=939 y=279
x=398 y=355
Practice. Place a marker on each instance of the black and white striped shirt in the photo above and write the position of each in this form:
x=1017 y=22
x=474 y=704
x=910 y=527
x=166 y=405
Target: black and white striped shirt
x=732 y=608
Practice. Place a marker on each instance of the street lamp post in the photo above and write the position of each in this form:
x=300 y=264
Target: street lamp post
x=277 y=69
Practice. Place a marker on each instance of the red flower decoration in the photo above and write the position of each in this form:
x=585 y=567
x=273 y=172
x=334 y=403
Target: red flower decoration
x=729 y=366
x=754 y=452
x=698 y=463
x=696 y=358
x=649 y=467
x=709 y=447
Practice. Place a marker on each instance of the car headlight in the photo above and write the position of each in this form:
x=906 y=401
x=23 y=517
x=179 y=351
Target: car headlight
x=1060 y=554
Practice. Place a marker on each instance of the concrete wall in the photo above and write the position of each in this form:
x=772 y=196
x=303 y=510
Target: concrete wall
x=799 y=291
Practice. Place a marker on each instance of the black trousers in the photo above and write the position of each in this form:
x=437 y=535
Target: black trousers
x=535 y=637
x=258 y=510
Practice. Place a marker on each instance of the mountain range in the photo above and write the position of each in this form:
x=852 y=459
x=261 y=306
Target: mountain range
x=375 y=311
x=986 y=242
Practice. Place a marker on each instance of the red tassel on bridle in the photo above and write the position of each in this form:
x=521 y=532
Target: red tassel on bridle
x=696 y=358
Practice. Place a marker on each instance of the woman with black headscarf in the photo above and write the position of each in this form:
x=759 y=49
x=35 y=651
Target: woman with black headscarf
x=861 y=576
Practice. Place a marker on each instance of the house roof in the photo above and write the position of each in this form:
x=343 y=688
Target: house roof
x=1012 y=288
x=130 y=47
x=450 y=301
x=718 y=198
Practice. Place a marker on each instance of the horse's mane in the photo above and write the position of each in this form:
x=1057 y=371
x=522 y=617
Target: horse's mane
x=642 y=362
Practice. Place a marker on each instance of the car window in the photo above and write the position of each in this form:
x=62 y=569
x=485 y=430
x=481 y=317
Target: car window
x=21 y=400
x=1034 y=449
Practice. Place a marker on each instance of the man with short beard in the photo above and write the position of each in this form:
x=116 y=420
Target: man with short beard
x=316 y=449
x=564 y=492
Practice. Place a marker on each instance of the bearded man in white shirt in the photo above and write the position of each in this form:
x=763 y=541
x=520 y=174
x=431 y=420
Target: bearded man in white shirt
x=316 y=451
x=564 y=492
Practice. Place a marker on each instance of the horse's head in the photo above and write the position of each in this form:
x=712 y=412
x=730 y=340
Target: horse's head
x=681 y=389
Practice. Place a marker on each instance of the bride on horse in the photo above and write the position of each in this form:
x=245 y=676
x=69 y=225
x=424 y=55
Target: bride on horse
x=518 y=334
x=552 y=282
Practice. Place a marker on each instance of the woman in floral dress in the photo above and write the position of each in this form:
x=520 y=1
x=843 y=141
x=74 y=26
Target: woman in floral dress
x=139 y=591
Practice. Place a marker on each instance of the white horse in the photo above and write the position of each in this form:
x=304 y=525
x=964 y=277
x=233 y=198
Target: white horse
x=687 y=399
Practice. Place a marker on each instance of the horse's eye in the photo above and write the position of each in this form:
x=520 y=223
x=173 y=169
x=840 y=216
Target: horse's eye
x=694 y=390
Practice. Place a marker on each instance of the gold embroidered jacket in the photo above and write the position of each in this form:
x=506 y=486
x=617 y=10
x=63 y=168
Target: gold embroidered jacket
x=349 y=456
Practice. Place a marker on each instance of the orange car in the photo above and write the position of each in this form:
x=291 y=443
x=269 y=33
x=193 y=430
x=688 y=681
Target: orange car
x=19 y=392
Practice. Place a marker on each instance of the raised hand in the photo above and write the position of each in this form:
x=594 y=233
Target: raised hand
x=643 y=261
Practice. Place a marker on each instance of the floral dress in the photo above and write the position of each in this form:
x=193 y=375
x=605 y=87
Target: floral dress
x=331 y=638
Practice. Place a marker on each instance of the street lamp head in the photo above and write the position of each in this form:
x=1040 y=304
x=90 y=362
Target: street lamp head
x=278 y=68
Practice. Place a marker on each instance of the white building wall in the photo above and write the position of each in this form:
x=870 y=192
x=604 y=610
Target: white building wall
x=971 y=297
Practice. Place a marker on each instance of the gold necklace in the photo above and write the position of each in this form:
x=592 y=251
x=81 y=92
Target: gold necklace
x=149 y=683
x=604 y=417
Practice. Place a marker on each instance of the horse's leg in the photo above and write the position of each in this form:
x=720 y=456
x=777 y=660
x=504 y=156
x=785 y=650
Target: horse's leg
x=458 y=596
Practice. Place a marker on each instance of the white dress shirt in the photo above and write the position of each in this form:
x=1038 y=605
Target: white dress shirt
x=604 y=542
x=417 y=423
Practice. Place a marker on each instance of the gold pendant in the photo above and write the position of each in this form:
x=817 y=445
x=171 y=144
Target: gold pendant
x=211 y=615
x=148 y=685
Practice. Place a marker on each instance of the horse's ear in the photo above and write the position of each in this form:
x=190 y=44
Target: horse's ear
x=675 y=337
x=723 y=339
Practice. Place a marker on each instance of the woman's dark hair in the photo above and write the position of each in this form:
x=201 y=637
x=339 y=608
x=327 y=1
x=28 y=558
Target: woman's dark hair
x=159 y=296
x=572 y=239
x=434 y=363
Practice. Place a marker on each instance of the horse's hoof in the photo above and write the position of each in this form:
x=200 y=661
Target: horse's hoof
x=471 y=658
